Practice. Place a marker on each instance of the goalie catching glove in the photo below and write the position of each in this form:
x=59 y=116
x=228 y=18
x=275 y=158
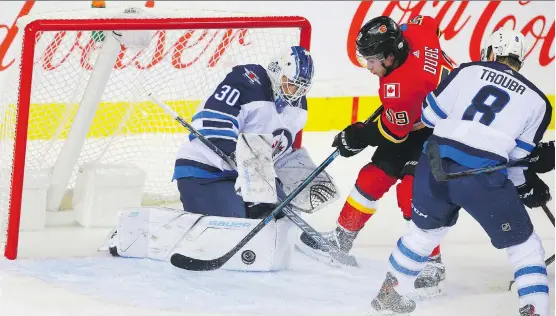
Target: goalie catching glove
x=292 y=169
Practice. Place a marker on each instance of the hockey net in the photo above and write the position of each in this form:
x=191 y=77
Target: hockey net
x=66 y=104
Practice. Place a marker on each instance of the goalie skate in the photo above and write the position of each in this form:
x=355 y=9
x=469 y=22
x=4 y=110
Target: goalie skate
x=390 y=302
x=340 y=238
x=430 y=281
x=110 y=243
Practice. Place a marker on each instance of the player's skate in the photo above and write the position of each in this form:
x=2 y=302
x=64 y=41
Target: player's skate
x=430 y=281
x=527 y=310
x=390 y=302
x=340 y=237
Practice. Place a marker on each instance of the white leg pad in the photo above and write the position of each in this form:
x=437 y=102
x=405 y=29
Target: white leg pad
x=531 y=280
x=157 y=233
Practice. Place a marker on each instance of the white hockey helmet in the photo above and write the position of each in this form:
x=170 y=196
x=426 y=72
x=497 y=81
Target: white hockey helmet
x=291 y=74
x=504 y=42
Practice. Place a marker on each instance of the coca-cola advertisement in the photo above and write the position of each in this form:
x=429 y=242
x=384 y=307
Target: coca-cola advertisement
x=464 y=25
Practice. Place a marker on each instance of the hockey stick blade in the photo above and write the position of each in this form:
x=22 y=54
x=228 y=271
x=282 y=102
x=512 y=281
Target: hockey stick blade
x=193 y=264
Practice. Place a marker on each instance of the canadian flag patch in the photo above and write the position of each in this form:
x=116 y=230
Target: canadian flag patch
x=392 y=90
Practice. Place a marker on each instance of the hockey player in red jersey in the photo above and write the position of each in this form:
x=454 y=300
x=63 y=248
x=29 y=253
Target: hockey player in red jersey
x=410 y=63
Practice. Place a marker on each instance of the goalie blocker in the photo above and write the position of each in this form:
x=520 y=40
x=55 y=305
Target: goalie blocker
x=203 y=236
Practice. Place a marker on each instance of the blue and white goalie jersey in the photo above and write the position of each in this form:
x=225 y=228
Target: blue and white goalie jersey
x=485 y=113
x=242 y=103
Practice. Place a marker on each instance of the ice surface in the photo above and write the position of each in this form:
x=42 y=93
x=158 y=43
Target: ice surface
x=91 y=283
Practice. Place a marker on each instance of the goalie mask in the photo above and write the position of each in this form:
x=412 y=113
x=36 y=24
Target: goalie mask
x=291 y=74
x=504 y=42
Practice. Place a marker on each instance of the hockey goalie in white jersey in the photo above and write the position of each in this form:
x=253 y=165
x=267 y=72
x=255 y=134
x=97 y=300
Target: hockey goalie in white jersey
x=483 y=114
x=269 y=104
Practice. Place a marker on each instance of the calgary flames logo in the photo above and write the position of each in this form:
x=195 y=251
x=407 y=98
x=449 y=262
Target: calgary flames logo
x=382 y=29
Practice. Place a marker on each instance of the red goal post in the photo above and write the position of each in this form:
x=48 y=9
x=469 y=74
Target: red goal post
x=35 y=76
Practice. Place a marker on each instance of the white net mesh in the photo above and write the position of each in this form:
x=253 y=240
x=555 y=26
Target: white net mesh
x=181 y=67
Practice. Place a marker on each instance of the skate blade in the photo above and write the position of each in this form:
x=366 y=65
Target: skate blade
x=386 y=313
x=374 y=312
x=332 y=259
x=320 y=257
x=344 y=258
x=377 y=309
x=430 y=292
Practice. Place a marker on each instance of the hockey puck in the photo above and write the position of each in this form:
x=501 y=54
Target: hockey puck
x=248 y=257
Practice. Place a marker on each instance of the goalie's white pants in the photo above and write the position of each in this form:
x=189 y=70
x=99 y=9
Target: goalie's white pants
x=413 y=249
x=157 y=233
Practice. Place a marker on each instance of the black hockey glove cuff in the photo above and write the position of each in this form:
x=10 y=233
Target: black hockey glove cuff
x=349 y=141
x=408 y=168
x=534 y=192
x=261 y=210
x=542 y=158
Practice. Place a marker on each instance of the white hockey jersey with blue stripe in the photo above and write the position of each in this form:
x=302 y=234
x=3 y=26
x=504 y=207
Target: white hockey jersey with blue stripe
x=242 y=103
x=485 y=113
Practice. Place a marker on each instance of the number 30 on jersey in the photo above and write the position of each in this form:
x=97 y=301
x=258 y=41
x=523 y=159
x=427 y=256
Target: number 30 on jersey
x=227 y=94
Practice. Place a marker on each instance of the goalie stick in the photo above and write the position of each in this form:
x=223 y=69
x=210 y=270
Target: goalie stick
x=335 y=253
x=435 y=162
x=192 y=130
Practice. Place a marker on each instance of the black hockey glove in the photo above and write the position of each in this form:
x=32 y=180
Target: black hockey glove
x=542 y=158
x=348 y=141
x=534 y=192
x=261 y=210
